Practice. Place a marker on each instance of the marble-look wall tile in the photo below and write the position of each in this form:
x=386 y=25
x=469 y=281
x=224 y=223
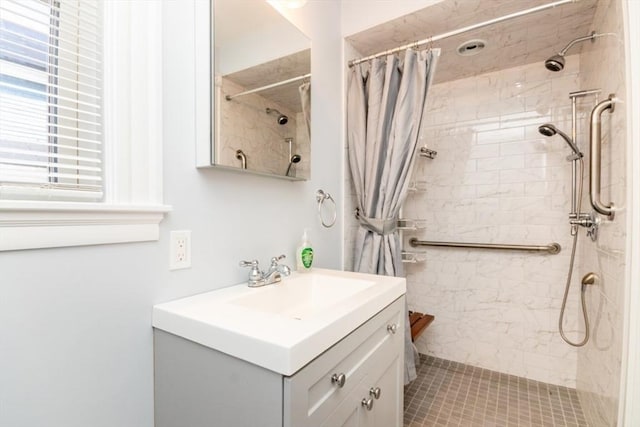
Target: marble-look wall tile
x=246 y=126
x=497 y=180
x=599 y=362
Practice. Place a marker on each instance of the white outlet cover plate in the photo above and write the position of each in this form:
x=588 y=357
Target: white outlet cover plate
x=180 y=250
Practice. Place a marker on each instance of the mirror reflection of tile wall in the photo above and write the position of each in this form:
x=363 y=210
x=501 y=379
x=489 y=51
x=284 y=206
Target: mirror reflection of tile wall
x=245 y=125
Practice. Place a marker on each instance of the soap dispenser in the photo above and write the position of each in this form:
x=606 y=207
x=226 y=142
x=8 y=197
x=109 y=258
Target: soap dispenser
x=304 y=254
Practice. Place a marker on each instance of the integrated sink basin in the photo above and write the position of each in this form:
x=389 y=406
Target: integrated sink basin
x=283 y=326
x=303 y=295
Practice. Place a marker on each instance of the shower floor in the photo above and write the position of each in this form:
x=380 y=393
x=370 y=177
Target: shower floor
x=454 y=394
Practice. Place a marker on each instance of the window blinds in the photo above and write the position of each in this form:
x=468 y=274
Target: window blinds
x=50 y=100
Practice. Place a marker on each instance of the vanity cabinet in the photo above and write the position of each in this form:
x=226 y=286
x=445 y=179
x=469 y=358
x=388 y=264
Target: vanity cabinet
x=356 y=382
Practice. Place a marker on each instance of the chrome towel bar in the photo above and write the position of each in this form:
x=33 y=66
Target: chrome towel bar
x=552 y=248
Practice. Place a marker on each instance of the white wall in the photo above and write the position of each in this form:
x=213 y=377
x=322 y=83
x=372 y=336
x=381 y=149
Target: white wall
x=75 y=334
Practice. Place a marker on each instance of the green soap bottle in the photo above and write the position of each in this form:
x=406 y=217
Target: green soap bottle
x=304 y=254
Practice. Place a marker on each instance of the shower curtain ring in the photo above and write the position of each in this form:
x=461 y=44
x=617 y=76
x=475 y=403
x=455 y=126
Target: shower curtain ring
x=430 y=44
x=321 y=197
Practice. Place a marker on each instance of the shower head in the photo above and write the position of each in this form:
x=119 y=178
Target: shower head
x=548 y=129
x=556 y=62
x=282 y=119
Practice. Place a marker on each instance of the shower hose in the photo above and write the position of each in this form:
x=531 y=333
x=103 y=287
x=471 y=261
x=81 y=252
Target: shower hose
x=569 y=274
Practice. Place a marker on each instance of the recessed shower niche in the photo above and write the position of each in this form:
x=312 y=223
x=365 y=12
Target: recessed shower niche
x=260 y=91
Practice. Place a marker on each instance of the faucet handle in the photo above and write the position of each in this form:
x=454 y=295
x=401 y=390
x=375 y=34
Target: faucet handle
x=256 y=277
x=283 y=269
x=275 y=259
x=253 y=263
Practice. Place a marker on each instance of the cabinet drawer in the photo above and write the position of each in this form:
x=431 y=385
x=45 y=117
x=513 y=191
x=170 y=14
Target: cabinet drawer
x=311 y=396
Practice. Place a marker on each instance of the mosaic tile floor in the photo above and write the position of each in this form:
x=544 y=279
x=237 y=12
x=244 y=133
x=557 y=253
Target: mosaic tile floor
x=454 y=394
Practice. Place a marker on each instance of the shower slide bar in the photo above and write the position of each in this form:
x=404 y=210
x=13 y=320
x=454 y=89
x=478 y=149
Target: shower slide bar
x=432 y=39
x=271 y=86
x=552 y=248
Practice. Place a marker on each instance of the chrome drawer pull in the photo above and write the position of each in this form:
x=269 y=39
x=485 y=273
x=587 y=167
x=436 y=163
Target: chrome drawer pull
x=392 y=328
x=367 y=403
x=375 y=392
x=339 y=380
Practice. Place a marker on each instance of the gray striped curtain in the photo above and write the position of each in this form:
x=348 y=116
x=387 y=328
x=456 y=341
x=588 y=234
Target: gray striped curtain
x=385 y=104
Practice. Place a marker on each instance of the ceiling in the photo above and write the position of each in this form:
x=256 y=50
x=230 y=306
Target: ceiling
x=294 y=65
x=523 y=40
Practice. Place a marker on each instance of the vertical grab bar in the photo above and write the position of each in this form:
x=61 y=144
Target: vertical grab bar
x=595 y=154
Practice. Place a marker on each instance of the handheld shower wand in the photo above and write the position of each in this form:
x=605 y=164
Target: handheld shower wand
x=242 y=157
x=548 y=129
x=294 y=159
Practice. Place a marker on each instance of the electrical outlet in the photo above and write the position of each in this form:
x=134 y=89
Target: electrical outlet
x=180 y=251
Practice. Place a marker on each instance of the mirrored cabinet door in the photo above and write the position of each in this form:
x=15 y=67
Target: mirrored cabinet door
x=261 y=84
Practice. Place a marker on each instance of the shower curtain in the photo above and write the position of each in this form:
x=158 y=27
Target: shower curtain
x=305 y=98
x=385 y=104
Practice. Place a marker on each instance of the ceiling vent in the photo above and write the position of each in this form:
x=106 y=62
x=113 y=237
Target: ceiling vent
x=471 y=47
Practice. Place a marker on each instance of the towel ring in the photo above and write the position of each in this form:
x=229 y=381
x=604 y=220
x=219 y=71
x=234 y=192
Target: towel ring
x=321 y=197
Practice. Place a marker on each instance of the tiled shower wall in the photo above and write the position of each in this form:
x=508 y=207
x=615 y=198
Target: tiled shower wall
x=495 y=179
x=247 y=126
x=598 y=378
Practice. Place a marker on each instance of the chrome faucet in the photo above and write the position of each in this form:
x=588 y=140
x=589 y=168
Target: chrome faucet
x=274 y=274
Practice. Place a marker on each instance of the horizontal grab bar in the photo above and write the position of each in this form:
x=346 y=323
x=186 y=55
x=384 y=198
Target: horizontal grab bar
x=552 y=248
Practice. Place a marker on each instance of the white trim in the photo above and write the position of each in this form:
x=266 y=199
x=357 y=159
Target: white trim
x=31 y=225
x=133 y=114
x=133 y=133
x=629 y=408
x=203 y=33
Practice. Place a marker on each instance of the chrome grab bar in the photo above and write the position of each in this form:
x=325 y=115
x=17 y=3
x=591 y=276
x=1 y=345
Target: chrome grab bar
x=552 y=248
x=595 y=156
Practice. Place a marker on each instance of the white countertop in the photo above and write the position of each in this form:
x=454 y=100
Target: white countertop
x=245 y=322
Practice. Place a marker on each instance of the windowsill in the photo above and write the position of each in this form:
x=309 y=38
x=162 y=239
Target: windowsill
x=33 y=225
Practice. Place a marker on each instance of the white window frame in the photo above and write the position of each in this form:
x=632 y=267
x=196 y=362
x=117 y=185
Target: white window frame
x=133 y=208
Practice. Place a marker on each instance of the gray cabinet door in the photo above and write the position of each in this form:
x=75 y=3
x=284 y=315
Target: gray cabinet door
x=387 y=408
x=349 y=412
x=310 y=396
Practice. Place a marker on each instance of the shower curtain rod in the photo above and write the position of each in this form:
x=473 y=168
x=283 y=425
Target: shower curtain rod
x=461 y=30
x=272 y=85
